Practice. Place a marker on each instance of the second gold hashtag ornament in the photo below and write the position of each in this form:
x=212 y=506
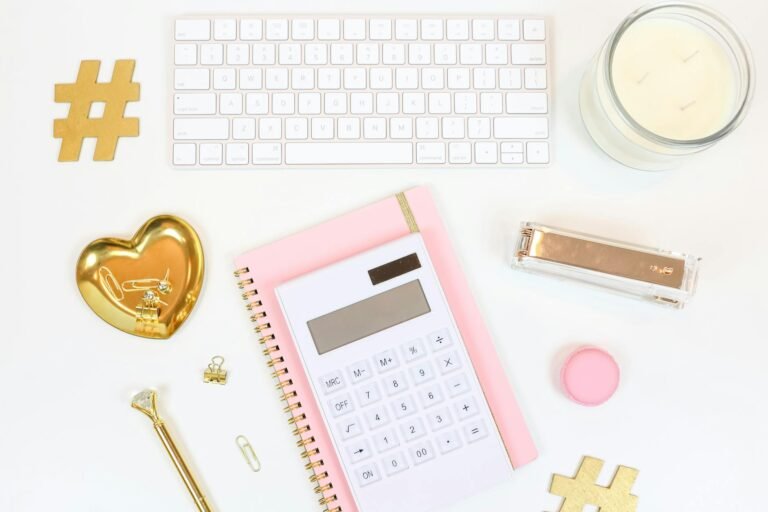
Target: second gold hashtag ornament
x=583 y=490
x=81 y=96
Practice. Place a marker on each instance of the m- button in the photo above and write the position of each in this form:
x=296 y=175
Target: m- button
x=332 y=382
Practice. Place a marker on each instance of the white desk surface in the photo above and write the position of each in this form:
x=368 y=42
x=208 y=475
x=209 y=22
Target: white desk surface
x=690 y=413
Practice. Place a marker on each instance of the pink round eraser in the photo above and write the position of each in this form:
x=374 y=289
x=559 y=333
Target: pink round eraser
x=590 y=376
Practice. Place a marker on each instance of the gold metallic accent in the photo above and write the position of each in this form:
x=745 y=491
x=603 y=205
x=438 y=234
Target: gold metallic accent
x=301 y=430
x=264 y=339
x=270 y=349
x=309 y=453
x=304 y=442
x=215 y=373
x=335 y=509
x=245 y=282
x=284 y=384
x=329 y=499
x=256 y=316
x=146 y=402
x=405 y=207
x=314 y=464
x=249 y=293
x=292 y=407
x=287 y=396
x=278 y=373
x=241 y=271
x=248 y=453
x=320 y=489
x=602 y=257
x=272 y=362
x=252 y=305
x=148 y=285
x=295 y=419
x=318 y=476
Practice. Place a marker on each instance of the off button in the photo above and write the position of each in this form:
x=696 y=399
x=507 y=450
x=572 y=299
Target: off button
x=341 y=405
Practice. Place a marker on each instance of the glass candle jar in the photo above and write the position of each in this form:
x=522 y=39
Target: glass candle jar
x=672 y=80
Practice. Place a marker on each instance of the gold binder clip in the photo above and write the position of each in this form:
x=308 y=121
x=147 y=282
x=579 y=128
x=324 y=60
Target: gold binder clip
x=215 y=373
x=247 y=450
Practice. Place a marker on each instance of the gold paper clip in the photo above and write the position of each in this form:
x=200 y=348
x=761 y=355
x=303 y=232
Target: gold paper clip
x=247 y=450
x=215 y=373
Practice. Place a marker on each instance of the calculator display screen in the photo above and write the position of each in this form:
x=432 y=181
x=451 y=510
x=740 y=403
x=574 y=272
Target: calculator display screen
x=369 y=316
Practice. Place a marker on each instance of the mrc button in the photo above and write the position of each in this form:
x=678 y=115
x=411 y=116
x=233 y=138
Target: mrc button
x=331 y=382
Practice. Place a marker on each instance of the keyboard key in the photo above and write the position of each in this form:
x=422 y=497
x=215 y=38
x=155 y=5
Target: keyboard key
x=534 y=30
x=303 y=30
x=528 y=53
x=496 y=54
x=431 y=29
x=439 y=419
x=349 y=428
x=509 y=30
x=448 y=441
x=354 y=29
x=211 y=154
x=202 y=129
x=266 y=154
x=359 y=450
x=224 y=79
x=430 y=153
x=422 y=372
x=427 y=127
x=430 y=395
x=368 y=474
x=535 y=78
x=526 y=103
x=491 y=103
x=250 y=29
x=283 y=103
x=512 y=152
x=475 y=430
x=331 y=382
x=510 y=78
x=537 y=152
x=394 y=463
x=244 y=128
x=309 y=103
x=386 y=360
x=406 y=30
x=270 y=128
x=466 y=408
x=482 y=30
x=376 y=417
x=459 y=152
x=470 y=54
x=250 y=79
x=413 y=429
x=288 y=54
x=328 y=30
x=479 y=128
x=439 y=340
x=185 y=54
x=457 y=385
x=393 y=53
x=264 y=54
x=432 y=78
x=328 y=78
x=193 y=30
x=316 y=54
x=404 y=406
x=355 y=78
x=419 y=54
x=457 y=30
x=237 y=154
x=422 y=452
x=341 y=405
x=407 y=78
x=361 y=103
x=322 y=128
x=396 y=383
x=445 y=54
x=401 y=128
x=359 y=371
x=191 y=79
x=368 y=53
x=225 y=30
x=184 y=154
x=453 y=127
x=374 y=128
x=381 y=78
x=277 y=78
x=256 y=103
x=231 y=103
x=449 y=362
x=277 y=30
x=368 y=394
x=237 y=54
x=520 y=127
x=385 y=440
x=486 y=152
x=414 y=350
x=302 y=78
x=194 y=104
x=458 y=78
x=380 y=29
x=439 y=103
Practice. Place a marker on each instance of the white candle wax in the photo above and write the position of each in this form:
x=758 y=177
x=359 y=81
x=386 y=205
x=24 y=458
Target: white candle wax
x=675 y=78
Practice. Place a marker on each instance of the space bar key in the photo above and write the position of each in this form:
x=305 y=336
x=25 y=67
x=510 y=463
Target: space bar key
x=340 y=153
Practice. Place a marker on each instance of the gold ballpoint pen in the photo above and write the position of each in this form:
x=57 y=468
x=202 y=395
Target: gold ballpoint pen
x=146 y=402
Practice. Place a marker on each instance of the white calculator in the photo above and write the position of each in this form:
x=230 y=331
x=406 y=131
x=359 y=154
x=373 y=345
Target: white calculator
x=396 y=387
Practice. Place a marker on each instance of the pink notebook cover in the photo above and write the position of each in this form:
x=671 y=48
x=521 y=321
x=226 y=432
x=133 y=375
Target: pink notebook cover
x=267 y=267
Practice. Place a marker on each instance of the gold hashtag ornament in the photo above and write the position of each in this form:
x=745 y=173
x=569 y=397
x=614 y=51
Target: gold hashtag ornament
x=583 y=489
x=81 y=95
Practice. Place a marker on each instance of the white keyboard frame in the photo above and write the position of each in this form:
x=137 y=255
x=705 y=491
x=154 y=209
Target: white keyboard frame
x=549 y=66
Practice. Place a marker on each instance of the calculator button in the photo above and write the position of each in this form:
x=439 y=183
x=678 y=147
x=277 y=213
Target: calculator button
x=448 y=441
x=386 y=440
x=350 y=428
x=449 y=362
x=439 y=418
x=413 y=429
x=359 y=371
x=376 y=417
x=358 y=451
x=414 y=349
x=386 y=361
x=422 y=372
x=422 y=452
x=439 y=340
x=431 y=395
x=341 y=405
x=368 y=394
x=475 y=430
x=404 y=406
x=368 y=474
x=394 y=463
x=466 y=408
x=396 y=383
x=332 y=382
x=457 y=385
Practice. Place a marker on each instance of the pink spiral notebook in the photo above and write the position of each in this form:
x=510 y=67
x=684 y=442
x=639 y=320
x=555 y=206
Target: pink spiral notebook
x=261 y=270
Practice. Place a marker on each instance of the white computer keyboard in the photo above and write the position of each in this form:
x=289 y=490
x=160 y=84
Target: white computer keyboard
x=358 y=91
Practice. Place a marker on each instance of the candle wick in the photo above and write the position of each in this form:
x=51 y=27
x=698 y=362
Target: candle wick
x=684 y=107
x=643 y=79
x=691 y=56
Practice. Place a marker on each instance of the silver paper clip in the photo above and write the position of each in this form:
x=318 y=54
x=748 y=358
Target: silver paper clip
x=247 y=450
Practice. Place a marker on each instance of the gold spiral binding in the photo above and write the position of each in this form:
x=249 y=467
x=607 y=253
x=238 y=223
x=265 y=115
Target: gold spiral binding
x=254 y=305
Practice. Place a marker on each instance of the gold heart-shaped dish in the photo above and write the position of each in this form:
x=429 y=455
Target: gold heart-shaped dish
x=148 y=285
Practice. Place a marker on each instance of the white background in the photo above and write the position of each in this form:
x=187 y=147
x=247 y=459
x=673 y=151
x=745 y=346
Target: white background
x=690 y=413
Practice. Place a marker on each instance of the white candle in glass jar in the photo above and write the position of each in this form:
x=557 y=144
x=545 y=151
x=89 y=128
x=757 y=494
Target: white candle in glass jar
x=671 y=81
